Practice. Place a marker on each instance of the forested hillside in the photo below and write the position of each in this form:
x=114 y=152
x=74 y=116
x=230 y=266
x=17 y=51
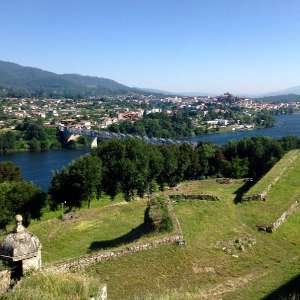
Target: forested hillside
x=280 y=98
x=28 y=79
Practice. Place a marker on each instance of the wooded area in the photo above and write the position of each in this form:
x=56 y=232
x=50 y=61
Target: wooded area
x=135 y=168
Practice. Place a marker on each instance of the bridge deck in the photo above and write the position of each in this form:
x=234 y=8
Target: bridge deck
x=112 y=135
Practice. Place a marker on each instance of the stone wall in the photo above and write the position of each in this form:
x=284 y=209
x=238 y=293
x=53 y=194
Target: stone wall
x=208 y=197
x=173 y=216
x=83 y=262
x=223 y=180
x=4 y=281
x=274 y=225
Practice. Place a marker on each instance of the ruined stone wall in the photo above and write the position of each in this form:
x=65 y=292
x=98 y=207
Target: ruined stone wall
x=4 y=281
x=208 y=197
x=274 y=225
x=173 y=216
x=223 y=180
x=83 y=262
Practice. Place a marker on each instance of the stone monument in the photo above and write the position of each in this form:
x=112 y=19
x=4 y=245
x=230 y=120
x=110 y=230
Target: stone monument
x=21 y=249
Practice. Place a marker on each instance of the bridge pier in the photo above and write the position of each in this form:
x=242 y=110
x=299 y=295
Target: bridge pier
x=93 y=140
x=70 y=137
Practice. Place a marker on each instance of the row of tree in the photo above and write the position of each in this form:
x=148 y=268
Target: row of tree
x=135 y=168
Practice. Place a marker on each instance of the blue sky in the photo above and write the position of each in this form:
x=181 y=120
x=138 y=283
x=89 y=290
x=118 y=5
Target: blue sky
x=245 y=46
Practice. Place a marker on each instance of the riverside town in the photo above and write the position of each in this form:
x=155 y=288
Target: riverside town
x=34 y=120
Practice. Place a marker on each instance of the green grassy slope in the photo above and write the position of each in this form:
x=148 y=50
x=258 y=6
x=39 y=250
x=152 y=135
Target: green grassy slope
x=205 y=267
x=212 y=265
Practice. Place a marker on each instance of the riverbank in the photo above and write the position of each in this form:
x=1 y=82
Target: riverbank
x=49 y=149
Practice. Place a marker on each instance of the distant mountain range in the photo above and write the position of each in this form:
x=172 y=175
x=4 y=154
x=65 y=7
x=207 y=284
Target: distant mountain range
x=293 y=90
x=198 y=94
x=30 y=79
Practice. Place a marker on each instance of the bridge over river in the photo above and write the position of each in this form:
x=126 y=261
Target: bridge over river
x=73 y=133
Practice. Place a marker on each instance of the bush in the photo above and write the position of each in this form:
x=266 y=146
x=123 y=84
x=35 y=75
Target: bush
x=55 y=145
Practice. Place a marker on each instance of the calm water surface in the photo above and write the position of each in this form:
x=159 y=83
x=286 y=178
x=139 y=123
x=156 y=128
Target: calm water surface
x=286 y=125
x=37 y=166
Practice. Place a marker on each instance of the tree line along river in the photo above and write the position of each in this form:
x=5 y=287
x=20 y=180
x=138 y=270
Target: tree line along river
x=37 y=166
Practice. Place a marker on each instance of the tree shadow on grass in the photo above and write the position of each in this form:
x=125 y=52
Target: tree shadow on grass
x=129 y=237
x=242 y=190
x=290 y=290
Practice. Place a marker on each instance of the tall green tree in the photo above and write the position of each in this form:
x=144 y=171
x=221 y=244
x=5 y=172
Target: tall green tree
x=206 y=154
x=7 y=141
x=20 y=198
x=125 y=167
x=169 y=173
x=9 y=172
x=80 y=182
x=85 y=174
x=188 y=162
x=110 y=152
x=235 y=168
x=134 y=168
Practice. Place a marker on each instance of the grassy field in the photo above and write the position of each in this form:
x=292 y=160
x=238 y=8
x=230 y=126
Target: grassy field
x=92 y=230
x=107 y=225
x=225 y=255
x=205 y=267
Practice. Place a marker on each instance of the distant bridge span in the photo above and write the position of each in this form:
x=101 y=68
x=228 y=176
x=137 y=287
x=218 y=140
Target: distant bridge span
x=72 y=134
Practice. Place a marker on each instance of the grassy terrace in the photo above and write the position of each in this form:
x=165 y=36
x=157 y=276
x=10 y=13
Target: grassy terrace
x=281 y=195
x=202 y=269
x=272 y=174
x=107 y=225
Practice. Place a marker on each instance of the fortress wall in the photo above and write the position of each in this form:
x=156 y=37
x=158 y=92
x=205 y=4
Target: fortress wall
x=83 y=262
x=173 y=216
x=274 y=225
x=207 y=197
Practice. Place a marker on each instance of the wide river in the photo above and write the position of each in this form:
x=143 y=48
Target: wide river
x=37 y=166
